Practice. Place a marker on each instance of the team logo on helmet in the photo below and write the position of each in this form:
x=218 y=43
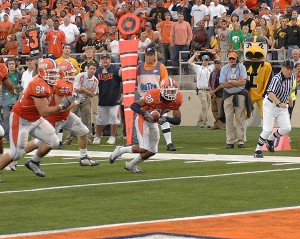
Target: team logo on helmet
x=169 y=89
x=48 y=70
x=66 y=70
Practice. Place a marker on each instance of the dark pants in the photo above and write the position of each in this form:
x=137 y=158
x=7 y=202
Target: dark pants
x=184 y=57
x=167 y=53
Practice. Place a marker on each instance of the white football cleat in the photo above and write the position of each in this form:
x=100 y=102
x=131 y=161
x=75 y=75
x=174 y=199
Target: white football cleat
x=135 y=168
x=96 y=140
x=115 y=154
x=111 y=140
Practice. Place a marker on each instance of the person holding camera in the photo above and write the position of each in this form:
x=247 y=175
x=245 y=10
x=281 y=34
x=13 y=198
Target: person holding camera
x=233 y=78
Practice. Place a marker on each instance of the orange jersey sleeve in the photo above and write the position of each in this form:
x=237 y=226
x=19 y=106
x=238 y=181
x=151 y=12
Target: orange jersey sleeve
x=25 y=107
x=3 y=71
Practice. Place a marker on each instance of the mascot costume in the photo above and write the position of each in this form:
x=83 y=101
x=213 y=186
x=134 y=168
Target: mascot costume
x=259 y=71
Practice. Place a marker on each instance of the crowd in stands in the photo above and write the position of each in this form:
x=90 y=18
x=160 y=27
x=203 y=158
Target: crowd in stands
x=221 y=25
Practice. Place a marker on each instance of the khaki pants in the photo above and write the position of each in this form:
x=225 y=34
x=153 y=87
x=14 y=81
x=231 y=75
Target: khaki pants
x=94 y=105
x=85 y=115
x=216 y=108
x=205 y=99
x=235 y=115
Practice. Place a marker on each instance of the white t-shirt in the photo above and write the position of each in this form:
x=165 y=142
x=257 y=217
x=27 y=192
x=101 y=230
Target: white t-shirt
x=215 y=11
x=82 y=80
x=71 y=31
x=202 y=75
x=144 y=44
x=115 y=49
x=26 y=6
x=199 y=12
x=26 y=78
x=14 y=13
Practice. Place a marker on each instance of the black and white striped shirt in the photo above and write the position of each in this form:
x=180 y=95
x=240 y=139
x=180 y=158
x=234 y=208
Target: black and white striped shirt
x=281 y=86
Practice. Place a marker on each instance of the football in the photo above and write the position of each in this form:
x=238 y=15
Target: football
x=156 y=115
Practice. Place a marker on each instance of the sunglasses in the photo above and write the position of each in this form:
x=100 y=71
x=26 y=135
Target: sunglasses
x=231 y=58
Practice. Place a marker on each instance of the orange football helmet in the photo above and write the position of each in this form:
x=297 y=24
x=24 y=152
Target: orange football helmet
x=48 y=70
x=67 y=71
x=169 y=89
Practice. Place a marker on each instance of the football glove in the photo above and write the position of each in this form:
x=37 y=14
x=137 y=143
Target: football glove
x=18 y=89
x=66 y=102
x=162 y=120
x=148 y=117
x=79 y=99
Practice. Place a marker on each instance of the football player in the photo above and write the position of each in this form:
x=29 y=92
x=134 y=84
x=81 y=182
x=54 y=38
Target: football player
x=26 y=117
x=66 y=119
x=165 y=99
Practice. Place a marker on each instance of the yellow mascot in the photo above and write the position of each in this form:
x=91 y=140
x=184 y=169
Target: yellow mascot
x=259 y=71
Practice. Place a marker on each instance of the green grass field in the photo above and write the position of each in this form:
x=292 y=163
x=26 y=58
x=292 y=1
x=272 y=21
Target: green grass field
x=72 y=196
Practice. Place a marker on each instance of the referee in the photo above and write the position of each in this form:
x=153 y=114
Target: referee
x=275 y=106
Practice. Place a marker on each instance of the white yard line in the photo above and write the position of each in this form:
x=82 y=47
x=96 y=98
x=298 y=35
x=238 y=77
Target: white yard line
x=149 y=180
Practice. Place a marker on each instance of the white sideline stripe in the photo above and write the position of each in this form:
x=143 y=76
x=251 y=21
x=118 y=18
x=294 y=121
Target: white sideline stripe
x=279 y=164
x=154 y=221
x=149 y=180
x=195 y=161
x=237 y=162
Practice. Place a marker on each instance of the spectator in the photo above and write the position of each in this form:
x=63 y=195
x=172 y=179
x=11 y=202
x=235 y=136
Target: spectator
x=181 y=37
x=157 y=46
x=101 y=28
x=143 y=43
x=55 y=38
x=27 y=5
x=198 y=12
x=202 y=75
x=240 y=10
x=247 y=21
x=66 y=55
x=90 y=23
x=215 y=11
x=109 y=18
x=149 y=32
x=186 y=8
x=276 y=11
x=12 y=44
x=29 y=73
x=223 y=35
x=157 y=14
x=200 y=40
x=5 y=25
x=109 y=98
x=94 y=42
x=78 y=23
x=235 y=38
x=228 y=6
x=233 y=78
x=71 y=32
x=279 y=42
x=14 y=26
x=114 y=48
x=295 y=56
x=10 y=98
x=292 y=37
x=86 y=84
x=164 y=29
x=216 y=94
x=14 y=12
x=81 y=44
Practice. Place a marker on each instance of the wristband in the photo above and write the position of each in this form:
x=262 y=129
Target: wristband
x=278 y=105
x=60 y=106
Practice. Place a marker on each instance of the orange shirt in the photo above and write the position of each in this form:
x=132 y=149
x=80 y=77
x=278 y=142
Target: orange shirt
x=165 y=30
x=63 y=88
x=3 y=71
x=25 y=107
x=5 y=26
x=5 y=5
x=100 y=30
x=55 y=41
x=251 y=4
x=281 y=3
x=12 y=49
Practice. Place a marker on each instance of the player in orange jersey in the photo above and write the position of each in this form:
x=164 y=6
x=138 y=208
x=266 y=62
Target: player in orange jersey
x=66 y=119
x=164 y=100
x=26 y=117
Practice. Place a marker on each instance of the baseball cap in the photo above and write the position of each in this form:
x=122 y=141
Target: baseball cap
x=83 y=34
x=205 y=57
x=149 y=50
x=288 y=63
x=149 y=24
x=217 y=60
x=92 y=10
x=233 y=55
x=105 y=54
x=246 y=11
x=294 y=18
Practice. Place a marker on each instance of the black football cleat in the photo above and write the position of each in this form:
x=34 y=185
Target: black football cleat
x=171 y=147
x=270 y=145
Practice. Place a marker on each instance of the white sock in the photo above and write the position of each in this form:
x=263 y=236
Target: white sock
x=166 y=129
x=135 y=161
x=36 y=158
x=126 y=149
x=258 y=147
x=60 y=136
x=83 y=152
